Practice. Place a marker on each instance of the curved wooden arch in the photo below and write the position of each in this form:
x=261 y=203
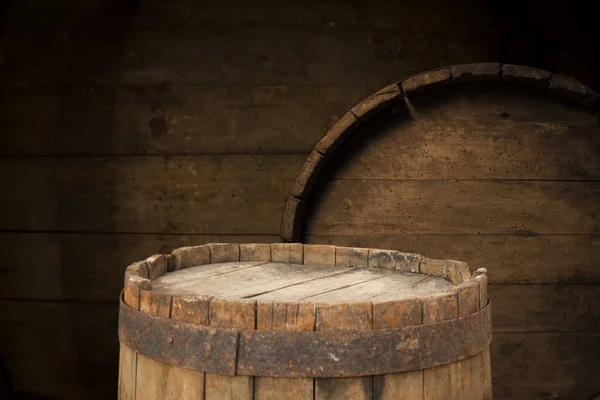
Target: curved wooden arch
x=565 y=86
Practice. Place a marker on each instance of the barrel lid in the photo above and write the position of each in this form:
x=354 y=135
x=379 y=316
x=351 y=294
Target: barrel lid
x=268 y=281
x=298 y=272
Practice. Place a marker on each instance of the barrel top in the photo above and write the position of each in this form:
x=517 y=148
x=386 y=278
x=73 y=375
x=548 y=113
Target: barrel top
x=270 y=281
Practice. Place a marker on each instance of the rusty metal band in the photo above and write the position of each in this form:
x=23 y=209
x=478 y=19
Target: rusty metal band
x=304 y=354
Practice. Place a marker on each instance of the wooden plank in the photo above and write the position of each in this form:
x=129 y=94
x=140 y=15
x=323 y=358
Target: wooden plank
x=257 y=281
x=456 y=207
x=182 y=383
x=386 y=287
x=141 y=59
x=147 y=194
x=397 y=314
x=487 y=374
x=535 y=393
x=284 y=317
x=552 y=308
x=440 y=382
x=84 y=266
x=231 y=314
x=191 y=276
x=170 y=120
x=344 y=316
x=519 y=259
x=150 y=374
x=545 y=360
x=255 y=252
x=127 y=373
x=339 y=278
x=490 y=148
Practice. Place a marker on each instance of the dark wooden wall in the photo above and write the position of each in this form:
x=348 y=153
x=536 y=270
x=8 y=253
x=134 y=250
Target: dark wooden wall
x=129 y=128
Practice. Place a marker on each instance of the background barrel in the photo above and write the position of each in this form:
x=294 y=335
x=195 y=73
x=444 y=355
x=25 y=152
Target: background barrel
x=465 y=377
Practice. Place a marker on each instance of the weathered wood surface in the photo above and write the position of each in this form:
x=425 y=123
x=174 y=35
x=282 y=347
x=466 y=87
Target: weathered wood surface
x=279 y=316
x=239 y=314
x=352 y=316
x=293 y=282
x=167 y=119
x=489 y=149
x=147 y=194
x=456 y=207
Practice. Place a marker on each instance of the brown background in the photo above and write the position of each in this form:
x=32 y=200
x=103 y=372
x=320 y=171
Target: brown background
x=133 y=128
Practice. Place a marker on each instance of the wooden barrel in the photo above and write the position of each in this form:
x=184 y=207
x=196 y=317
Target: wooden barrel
x=293 y=321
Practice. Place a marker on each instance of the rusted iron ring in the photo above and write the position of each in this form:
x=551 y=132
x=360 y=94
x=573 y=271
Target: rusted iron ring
x=304 y=354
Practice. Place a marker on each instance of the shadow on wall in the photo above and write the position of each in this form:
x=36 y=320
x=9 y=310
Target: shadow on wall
x=550 y=34
x=90 y=358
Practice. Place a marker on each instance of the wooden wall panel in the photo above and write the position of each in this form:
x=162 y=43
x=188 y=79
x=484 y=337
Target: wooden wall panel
x=203 y=56
x=90 y=89
x=147 y=194
x=457 y=207
x=167 y=119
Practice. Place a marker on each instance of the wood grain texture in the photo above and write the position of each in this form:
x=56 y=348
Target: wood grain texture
x=287 y=253
x=147 y=194
x=182 y=383
x=319 y=255
x=150 y=376
x=255 y=252
x=349 y=316
x=162 y=118
x=444 y=381
x=497 y=149
x=231 y=314
x=456 y=207
x=127 y=373
x=277 y=316
x=295 y=282
x=396 y=314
